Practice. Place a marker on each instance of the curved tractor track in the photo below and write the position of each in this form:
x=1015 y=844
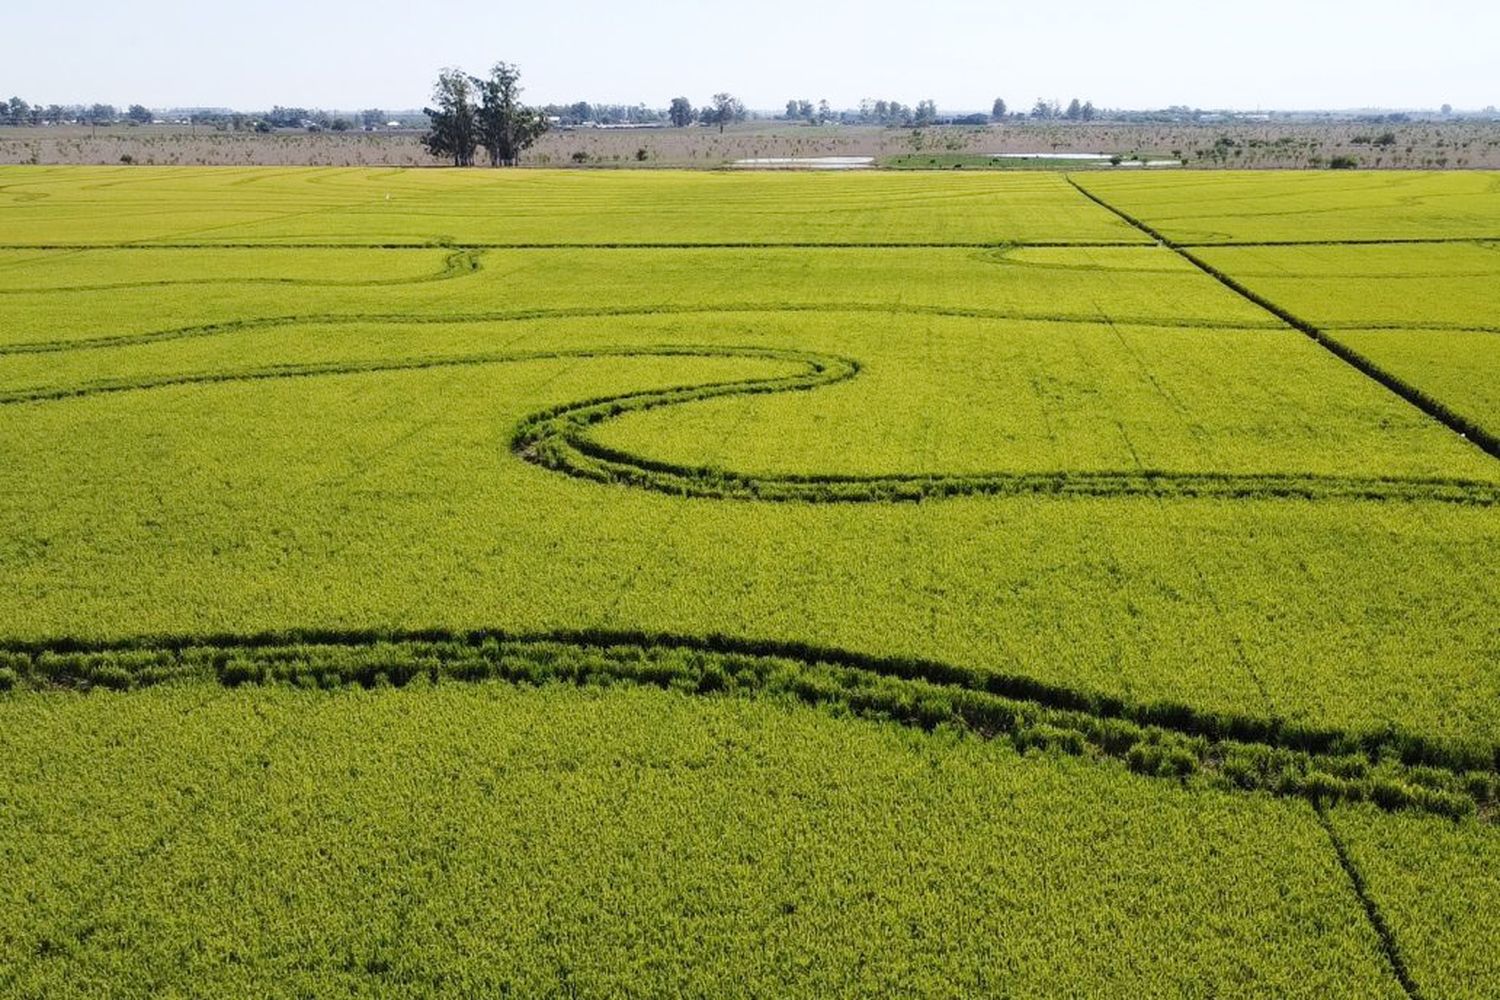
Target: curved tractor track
x=559 y=438
x=1226 y=751
x=456 y=264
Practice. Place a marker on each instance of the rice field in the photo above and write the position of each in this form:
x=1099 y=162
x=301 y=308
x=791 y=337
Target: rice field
x=546 y=583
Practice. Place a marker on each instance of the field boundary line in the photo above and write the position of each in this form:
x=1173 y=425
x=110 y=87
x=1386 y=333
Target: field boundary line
x=1372 y=909
x=1356 y=241
x=1434 y=408
x=610 y=245
x=155 y=244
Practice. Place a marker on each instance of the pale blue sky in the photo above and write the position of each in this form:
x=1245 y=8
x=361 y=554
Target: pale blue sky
x=962 y=53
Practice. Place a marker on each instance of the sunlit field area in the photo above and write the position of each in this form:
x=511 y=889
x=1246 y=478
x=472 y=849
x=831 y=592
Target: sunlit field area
x=637 y=584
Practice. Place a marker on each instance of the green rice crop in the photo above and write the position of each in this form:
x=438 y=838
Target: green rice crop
x=1429 y=315
x=891 y=583
x=108 y=205
x=627 y=843
x=1446 y=286
x=255 y=504
x=1144 y=284
x=1309 y=206
x=1438 y=885
x=1459 y=367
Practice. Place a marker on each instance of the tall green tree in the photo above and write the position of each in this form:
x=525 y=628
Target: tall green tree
x=997 y=110
x=681 y=112
x=727 y=108
x=506 y=126
x=140 y=114
x=454 y=128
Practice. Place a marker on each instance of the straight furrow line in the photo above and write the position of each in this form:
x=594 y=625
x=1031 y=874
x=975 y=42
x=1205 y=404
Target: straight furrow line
x=756 y=244
x=1382 y=927
x=1373 y=241
x=1435 y=408
x=620 y=245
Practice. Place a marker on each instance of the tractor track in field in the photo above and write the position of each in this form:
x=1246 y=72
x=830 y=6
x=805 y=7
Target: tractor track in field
x=1373 y=913
x=558 y=439
x=457 y=264
x=1235 y=752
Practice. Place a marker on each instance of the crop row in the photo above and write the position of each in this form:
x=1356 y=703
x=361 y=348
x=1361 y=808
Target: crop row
x=495 y=839
x=1341 y=768
x=1311 y=206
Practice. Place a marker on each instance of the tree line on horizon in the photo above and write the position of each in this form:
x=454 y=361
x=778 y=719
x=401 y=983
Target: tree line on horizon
x=469 y=101
x=19 y=112
x=471 y=107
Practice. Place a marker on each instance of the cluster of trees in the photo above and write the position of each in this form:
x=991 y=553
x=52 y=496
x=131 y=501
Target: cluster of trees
x=19 y=112
x=803 y=110
x=723 y=109
x=583 y=112
x=1075 y=112
x=477 y=111
x=882 y=112
x=314 y=120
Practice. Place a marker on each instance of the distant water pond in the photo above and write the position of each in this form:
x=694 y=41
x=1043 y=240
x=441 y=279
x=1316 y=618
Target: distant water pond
x=1086 y=158
x=807 y=162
